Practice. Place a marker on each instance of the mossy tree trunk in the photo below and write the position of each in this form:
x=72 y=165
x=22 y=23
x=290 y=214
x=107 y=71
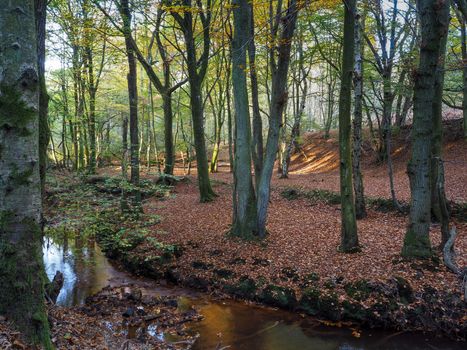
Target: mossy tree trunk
x=21 y=265
x=349 y=237
x=244 y=215
x=433 y=26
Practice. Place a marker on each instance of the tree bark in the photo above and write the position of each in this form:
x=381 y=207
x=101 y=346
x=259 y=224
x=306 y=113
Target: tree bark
x=196 y=72
x=244 y=215
x=21 y=265
x=44 y=132
x=360 y=209
x=257 y=144
x=278 y=101
x=438 y=196
x=349 y=237
x=417 y=240
x=133 y=100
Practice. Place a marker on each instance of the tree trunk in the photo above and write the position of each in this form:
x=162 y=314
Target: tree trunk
x=21 y=264
x=123 y=203
x=133 y=100
x=278 y=102
x=257 y=144
x=417 y=240
x=464 y=73
x=349 y=237
x=299 y=110
x=229 y=119
x=196 y=73
x=244 y=215
x=360 y=209
x=168 y=134
x=44 y=132
x=438 y=197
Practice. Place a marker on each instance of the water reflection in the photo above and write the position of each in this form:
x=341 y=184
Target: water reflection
x=85 y=268
x=237 y=326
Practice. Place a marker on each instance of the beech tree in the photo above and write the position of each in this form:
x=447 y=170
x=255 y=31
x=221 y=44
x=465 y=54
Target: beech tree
x=197 y=64
x=125 y=12
x=21 y=267
x=434 y=24
x=244 y=213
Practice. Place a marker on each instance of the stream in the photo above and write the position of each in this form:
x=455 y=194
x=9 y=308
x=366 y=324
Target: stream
x=237 y=325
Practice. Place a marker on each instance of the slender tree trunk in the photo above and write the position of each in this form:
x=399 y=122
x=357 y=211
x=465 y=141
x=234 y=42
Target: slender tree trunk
x=257 y=144
x=133 y=100
x=417 y=240
x=196 y=69
x=168 y=134
x=123 y=203
x=349 y=237
x=217 y=140
x=64 y=145
x=244 y=215
x=44 y=132
x=278 y=102
x=21 y=264
x=229 y=119
x=299 y=108
x=464 y=73
x=360 y=209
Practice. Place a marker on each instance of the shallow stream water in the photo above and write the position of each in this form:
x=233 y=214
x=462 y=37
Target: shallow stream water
x=227 y=324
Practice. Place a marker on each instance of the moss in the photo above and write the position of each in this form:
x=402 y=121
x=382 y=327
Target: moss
x=359 y=290
x=386 y=205
x=329 y=307
x=14 y=112
x=279 y=296
x=310 y=301
x=201 y=265
x=405 y=290
x=5 y=219
x=261 y=262
x=290 y=273
x=223 y=273
x=353 y=311
x=416 y=246
x=244 y=288
x=20 y=269
x=290 y=194
x=20 y=178
x=315 y=195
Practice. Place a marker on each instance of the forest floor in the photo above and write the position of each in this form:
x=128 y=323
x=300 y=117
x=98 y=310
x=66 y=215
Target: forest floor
x=300 y=254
